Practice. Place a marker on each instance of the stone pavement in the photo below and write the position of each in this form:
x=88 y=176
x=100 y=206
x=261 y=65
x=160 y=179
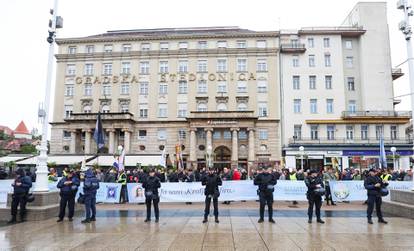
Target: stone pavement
x=122 y=227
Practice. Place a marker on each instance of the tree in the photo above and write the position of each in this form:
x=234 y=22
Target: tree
x=28 y=149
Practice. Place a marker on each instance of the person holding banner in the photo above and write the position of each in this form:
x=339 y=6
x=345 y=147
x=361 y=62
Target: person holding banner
x=314 y=195
x=374 y=185
x=68 y=186
x=329 y=176
x=212 y=181
x=151 y=185
x=266 y=182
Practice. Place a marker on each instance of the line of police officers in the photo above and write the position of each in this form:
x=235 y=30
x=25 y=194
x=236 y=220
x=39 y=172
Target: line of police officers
x=265 y=180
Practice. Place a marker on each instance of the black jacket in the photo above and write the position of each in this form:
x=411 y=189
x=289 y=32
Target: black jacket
x=151 y=184
x=24 y=187
x=69 y=189
x=212 y=182
x=226 y=176
x=311 y=183
x=189 y=178
x=173 y=177
x=265 y=181
x=369 y=184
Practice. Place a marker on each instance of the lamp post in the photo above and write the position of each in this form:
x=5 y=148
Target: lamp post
x=405 y=28
x=302 y=152
x=41 y=168
x=393 y=150
x=209 y=156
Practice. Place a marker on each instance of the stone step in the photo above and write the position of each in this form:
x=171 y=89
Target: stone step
x=398 y=209
x=402 y=196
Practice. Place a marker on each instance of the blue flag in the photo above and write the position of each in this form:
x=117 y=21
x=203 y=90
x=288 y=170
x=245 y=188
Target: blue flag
x=383 y=156
x=99 y=135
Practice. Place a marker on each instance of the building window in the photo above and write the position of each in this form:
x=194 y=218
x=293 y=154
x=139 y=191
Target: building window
x=312 y=82
x=183 y=45
x=162 y=134
x=261 y=65
x=107 y=68
x=88 y=69
x=311 y=60
x=162 y=110
x=221 y=65
x=314 y=132
x=126 y=47
x=262 y=86
x=182 y=87
x=226 y=134
x=351 y=83
x=124 y=108
x=202 y=45
x=143 y=111
x=222 y=44
x=297 y=132
x=108 y=48
x=241 y=65
x=349 y=132
x=296 y=82
x=348 y=44
x=379 y=131
x=242 y=86
x=329 y=106
x=294 y=43
x=242 y=134
x=261 y=44
x=124 y=88
x=311 y=42
x=71 y=70
x=202 y=66
x=87 y=90
x=87 y=109
x=72 y=49
x=106 y=109
x=221 y=107
x=182 y=66
x=263 y=134
x=67 y=135
x=328 y=82
x=352 y=106
x=364 y=132
x=126 y=68
x=142 y=134
x=330 y=130
x=349 y=62
x=242 y=106
x=163 y=89
x=182 y=110
x=328 y=60
x=163 y=66
x=164 y=46
x=144 y=67
x=326 y=42
x=145 y=46
x=202 y=86
x=68 y=111
x=221 y=87
x=394 y=132
x=314 y=106
x=106 y=89
x=202 y=107
x=216 y=135
x=262 y=109
x=143 y=88
x=182 y=134
x=241 y=44
x=69 y=89
x=297 y=106
x=295 y=61
x=89 y=49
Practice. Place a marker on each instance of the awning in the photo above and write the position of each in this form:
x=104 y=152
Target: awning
x=7 y=159
x=130 y=160
x=57 y=159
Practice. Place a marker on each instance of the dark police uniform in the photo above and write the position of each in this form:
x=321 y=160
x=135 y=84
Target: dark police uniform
x=90 y=187
x=374 y=196
x=266 y=182
x=67 y=196
x=313 y=198
x=212 y=181
x=151 y=185
x=19 y=194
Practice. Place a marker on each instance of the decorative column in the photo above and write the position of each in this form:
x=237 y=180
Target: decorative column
x=111 y=147
x=88 y=134
x=252 y=154
x=127 y=140
x=193 y=146
x=73 y=141
x=234 y=147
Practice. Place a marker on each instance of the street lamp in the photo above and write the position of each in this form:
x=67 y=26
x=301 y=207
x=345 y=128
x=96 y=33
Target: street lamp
x=302 y=152
x=41 y=169
x=209 y=156
x=393 y=150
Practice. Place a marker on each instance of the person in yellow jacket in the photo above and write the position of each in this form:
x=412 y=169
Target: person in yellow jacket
x=52 y=177
x=386 y=175
x=122 y=178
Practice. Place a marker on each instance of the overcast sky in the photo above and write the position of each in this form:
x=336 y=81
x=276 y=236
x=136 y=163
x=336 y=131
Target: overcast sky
x=24 y=23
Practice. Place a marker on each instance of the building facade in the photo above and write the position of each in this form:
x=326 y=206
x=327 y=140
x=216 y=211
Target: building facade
x=252 y=97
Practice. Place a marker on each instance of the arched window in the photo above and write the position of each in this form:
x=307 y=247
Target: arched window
x=241 y=107
x=87 y=109
x=221 y=107
x=202 y=107
x=106 y=109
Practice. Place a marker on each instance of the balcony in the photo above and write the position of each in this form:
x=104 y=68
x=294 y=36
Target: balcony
x=222 y=114
x=396 y=73
x=345 y=141
x=114 y=116
x=376 y=114
x=293 y=48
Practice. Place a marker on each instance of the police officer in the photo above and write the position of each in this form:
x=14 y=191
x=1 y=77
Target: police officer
x=90 y=186
x=151 y=185
x=212 y=181
x=314 y=182
x=68 y=186
x=374 y=184
x=122 y=179
x=21 y=185
x=266 y=182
